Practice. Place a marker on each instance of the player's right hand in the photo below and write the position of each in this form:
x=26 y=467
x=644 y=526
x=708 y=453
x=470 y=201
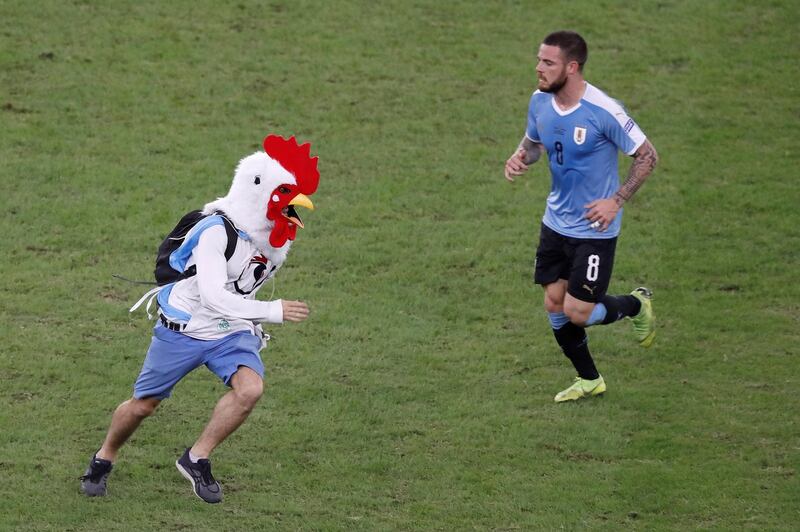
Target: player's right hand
x=515 y=165
x=294 y=310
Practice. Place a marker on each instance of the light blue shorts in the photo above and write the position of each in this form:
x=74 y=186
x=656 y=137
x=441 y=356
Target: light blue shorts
x=173 y=355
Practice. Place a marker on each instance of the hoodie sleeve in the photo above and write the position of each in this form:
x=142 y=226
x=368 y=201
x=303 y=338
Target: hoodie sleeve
x=212 y=276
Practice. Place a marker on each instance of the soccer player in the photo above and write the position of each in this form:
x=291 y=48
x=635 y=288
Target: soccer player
x=581 y=129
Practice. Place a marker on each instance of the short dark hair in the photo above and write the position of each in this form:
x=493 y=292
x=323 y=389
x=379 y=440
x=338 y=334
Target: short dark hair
x=571 y=43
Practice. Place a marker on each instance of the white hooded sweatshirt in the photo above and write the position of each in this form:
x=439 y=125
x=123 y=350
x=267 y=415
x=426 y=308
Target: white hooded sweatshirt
x=220 y=299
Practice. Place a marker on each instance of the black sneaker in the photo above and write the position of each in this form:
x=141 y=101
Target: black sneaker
x=93 y=481
x=199 y=474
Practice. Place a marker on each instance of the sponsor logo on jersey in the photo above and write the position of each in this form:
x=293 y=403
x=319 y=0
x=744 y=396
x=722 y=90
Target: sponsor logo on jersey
x=223 y=325
x=579 y=135
x=629 y=125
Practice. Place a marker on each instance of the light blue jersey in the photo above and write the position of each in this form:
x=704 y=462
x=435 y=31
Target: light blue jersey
x=581 y=144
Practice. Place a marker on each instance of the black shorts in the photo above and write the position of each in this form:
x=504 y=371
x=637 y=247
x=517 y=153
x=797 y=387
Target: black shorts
x=585 y=262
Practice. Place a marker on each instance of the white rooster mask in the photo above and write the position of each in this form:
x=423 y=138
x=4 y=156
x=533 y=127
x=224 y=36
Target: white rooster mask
x=265 y=190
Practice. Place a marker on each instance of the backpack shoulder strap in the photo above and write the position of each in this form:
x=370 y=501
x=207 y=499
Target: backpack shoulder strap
x=233 y=235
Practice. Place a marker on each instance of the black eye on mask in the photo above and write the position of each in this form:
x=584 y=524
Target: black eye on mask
x=258 y=180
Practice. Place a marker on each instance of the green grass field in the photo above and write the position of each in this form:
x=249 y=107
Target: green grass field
x=418 y=396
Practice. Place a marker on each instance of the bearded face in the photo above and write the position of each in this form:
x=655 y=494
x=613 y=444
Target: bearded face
x=551 y=69
x=555 y=85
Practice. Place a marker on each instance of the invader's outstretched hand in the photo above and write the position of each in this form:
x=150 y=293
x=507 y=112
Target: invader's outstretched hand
x=294 y=310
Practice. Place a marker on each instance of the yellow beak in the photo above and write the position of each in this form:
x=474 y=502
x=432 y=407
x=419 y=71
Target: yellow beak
x=303 y=201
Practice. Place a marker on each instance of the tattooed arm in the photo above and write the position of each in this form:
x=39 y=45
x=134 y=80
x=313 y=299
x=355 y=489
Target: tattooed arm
x=527 y=153
x=603 y=211
x=645 y=159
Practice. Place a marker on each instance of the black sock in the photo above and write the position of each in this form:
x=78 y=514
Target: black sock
x=618 y=307
x=575 y=346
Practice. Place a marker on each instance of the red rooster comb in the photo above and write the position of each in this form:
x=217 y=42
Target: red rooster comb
x=296 y=160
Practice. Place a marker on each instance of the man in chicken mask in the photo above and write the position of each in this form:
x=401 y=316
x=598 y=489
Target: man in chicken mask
x=209 y=314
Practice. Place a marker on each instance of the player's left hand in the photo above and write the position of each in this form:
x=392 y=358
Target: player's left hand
x=602 y=212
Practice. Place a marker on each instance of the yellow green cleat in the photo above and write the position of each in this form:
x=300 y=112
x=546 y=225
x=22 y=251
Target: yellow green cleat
x=582 y=388
x=644 y=323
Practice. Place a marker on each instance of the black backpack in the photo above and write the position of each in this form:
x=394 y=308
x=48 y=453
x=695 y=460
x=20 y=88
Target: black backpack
x=164 y=272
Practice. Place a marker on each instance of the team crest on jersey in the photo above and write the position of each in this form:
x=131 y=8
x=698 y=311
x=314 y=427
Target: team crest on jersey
x=579 y=135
